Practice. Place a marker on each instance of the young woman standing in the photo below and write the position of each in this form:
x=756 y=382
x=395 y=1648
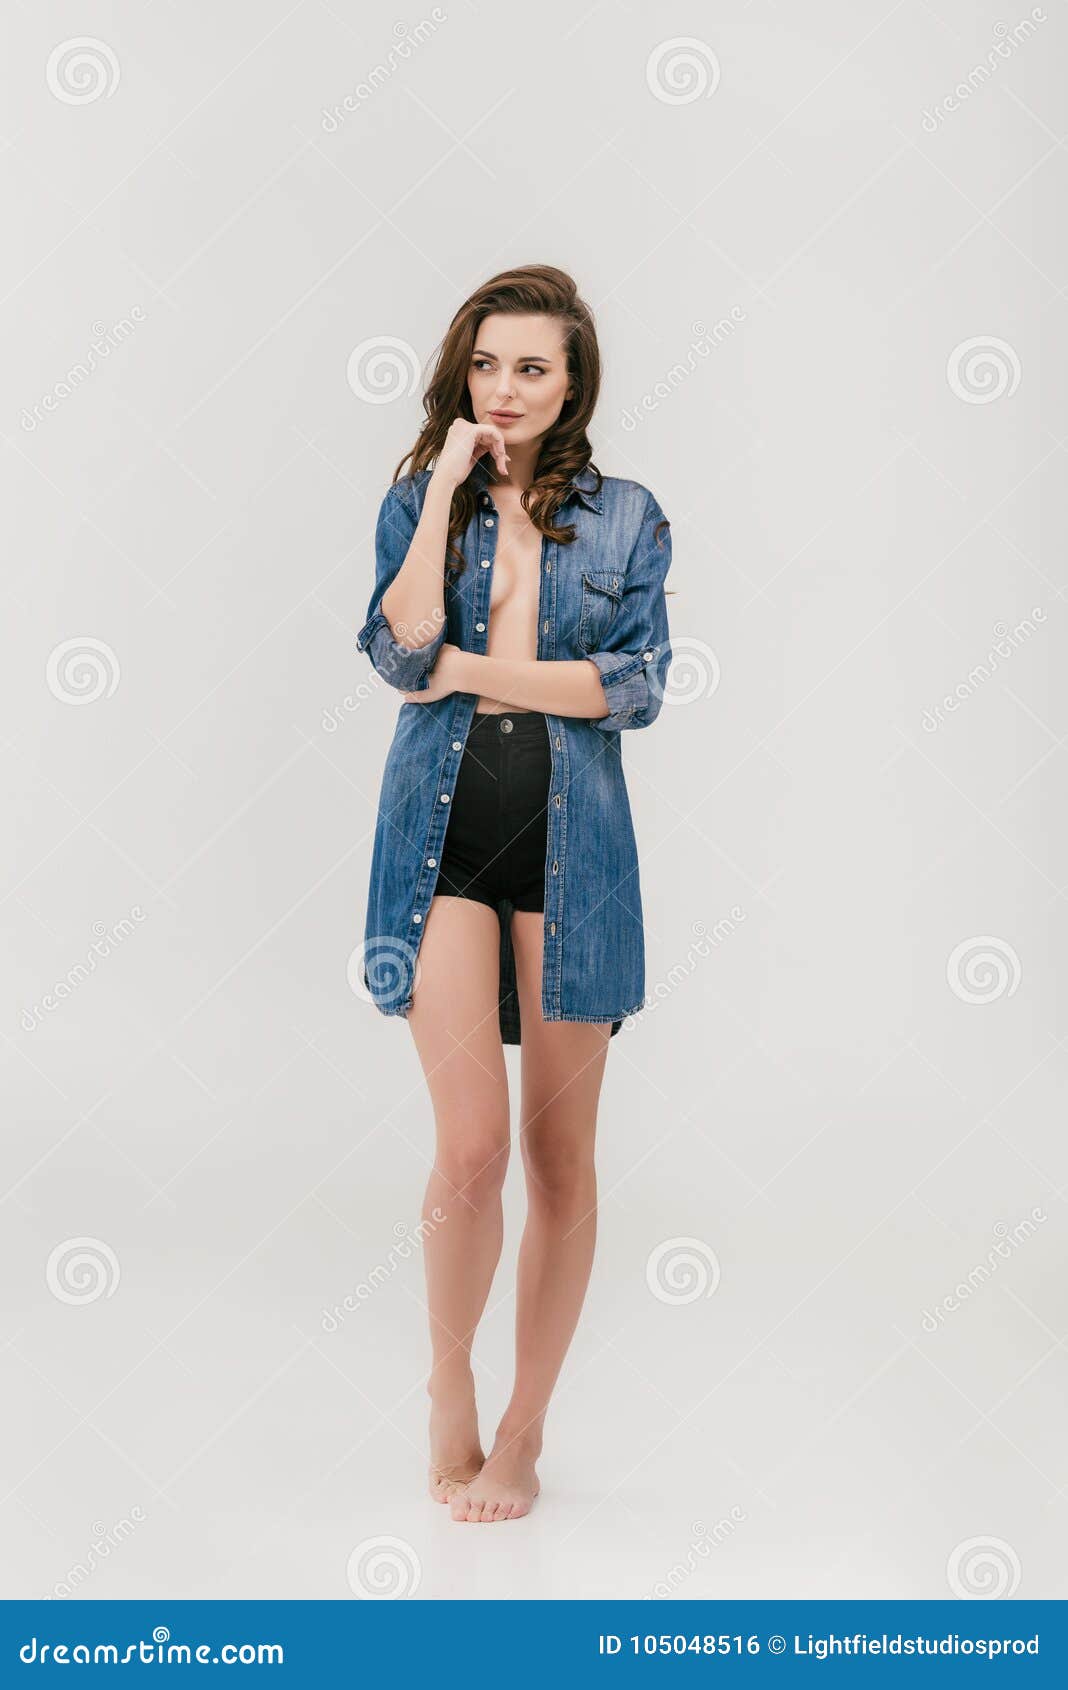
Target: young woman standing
x=519 y=606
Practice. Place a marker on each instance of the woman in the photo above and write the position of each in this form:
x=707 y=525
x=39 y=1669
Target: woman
x=505 y=905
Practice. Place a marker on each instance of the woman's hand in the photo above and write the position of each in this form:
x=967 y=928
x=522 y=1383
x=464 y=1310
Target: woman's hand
x=465 y=443
x=446 y=676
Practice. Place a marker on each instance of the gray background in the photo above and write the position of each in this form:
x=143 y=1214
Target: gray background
x=837 y=1099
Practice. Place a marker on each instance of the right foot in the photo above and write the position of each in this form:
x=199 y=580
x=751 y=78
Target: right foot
x=455 y=1453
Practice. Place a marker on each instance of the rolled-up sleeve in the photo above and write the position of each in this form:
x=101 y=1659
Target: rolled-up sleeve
x=634 y=668
x=402 y=666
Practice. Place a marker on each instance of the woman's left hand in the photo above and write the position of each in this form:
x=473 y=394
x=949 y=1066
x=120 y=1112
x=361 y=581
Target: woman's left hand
x=444 y=677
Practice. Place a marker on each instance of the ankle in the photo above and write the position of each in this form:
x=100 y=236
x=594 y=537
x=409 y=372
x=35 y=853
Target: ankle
x=521 y=1431
x=451 y=1384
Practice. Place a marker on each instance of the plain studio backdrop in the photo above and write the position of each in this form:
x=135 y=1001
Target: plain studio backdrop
x=823 y=1351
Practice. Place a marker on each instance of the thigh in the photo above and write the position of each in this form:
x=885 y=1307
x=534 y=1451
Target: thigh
x=454 y=1015
x=562 y=1061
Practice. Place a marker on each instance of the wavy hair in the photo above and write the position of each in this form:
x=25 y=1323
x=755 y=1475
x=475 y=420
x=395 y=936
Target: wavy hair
x=531 y=290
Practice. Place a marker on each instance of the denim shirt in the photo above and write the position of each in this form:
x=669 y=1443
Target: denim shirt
x=602 y=597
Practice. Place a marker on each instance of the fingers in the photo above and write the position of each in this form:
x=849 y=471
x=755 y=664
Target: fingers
x=494 y=438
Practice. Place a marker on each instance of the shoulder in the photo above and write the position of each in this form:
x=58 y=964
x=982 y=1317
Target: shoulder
x=631 y=505
x=407 y=492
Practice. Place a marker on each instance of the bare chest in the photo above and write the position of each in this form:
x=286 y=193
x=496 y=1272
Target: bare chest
x=516 y=568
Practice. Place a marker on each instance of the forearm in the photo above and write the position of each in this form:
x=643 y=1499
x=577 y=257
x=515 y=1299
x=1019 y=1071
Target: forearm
x=414 y=601
x=571 y=687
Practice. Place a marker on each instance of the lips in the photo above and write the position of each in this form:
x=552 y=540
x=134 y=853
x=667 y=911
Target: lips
x=506 y=416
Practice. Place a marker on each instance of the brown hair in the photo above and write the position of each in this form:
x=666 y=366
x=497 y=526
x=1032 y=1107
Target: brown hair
x=536 y=290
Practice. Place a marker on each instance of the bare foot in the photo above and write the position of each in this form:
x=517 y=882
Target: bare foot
x=455 y=1451
x=507 y=1485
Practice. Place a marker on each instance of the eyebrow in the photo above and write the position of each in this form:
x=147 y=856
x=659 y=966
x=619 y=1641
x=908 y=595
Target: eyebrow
x=527 y=358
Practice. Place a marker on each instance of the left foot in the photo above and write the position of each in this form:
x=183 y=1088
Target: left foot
x=507 y=1485
x=455 y=1452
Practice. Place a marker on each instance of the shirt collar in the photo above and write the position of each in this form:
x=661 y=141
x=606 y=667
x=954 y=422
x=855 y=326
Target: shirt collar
x=583 y=485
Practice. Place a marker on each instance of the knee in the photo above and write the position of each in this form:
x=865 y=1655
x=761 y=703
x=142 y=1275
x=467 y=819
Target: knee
x=559 y=1169
x=474 y=1162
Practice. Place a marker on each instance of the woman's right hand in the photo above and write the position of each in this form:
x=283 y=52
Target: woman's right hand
x=465 y=443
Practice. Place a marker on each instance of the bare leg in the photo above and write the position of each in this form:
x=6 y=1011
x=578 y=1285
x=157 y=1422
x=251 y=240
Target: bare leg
x=562 y=1069
x=454 y=1022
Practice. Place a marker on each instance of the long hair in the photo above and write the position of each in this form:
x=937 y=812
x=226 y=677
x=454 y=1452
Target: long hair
x=531 y=290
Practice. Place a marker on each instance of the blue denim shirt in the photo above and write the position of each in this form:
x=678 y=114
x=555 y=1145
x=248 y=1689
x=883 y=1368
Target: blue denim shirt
x=602 y=597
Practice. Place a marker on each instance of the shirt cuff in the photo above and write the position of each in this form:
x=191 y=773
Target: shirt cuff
x=406 y=667
x=626 y=688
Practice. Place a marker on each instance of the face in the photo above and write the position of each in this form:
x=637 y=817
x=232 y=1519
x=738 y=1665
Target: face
x=519 y=365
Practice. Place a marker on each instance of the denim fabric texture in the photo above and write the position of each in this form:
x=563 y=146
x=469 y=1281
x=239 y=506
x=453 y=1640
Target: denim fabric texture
x=601 y=598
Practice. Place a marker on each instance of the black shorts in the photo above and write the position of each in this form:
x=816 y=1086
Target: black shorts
x=495 y=841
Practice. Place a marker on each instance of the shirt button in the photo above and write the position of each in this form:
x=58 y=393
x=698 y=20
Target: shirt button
x=417 y=917
x=485 y=498
x=489 y=522
x=545 y=626
x=548 y=566
x=558 y=742
x=444 y=798
x=556 y=868
x=480 y=627
x=457 y=745
x=647 y=655
x=556 y=800
x=485 y=563
x=552 y=927
x=432 y=862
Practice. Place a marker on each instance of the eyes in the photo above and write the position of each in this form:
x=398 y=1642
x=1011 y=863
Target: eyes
x=531 y=369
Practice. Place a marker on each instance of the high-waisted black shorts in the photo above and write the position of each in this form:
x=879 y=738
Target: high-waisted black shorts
x=495 y=840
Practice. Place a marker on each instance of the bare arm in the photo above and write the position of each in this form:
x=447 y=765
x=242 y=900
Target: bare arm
x=568 y=687
x=414 y=602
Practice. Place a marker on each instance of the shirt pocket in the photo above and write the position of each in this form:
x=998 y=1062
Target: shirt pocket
x=602 y=594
